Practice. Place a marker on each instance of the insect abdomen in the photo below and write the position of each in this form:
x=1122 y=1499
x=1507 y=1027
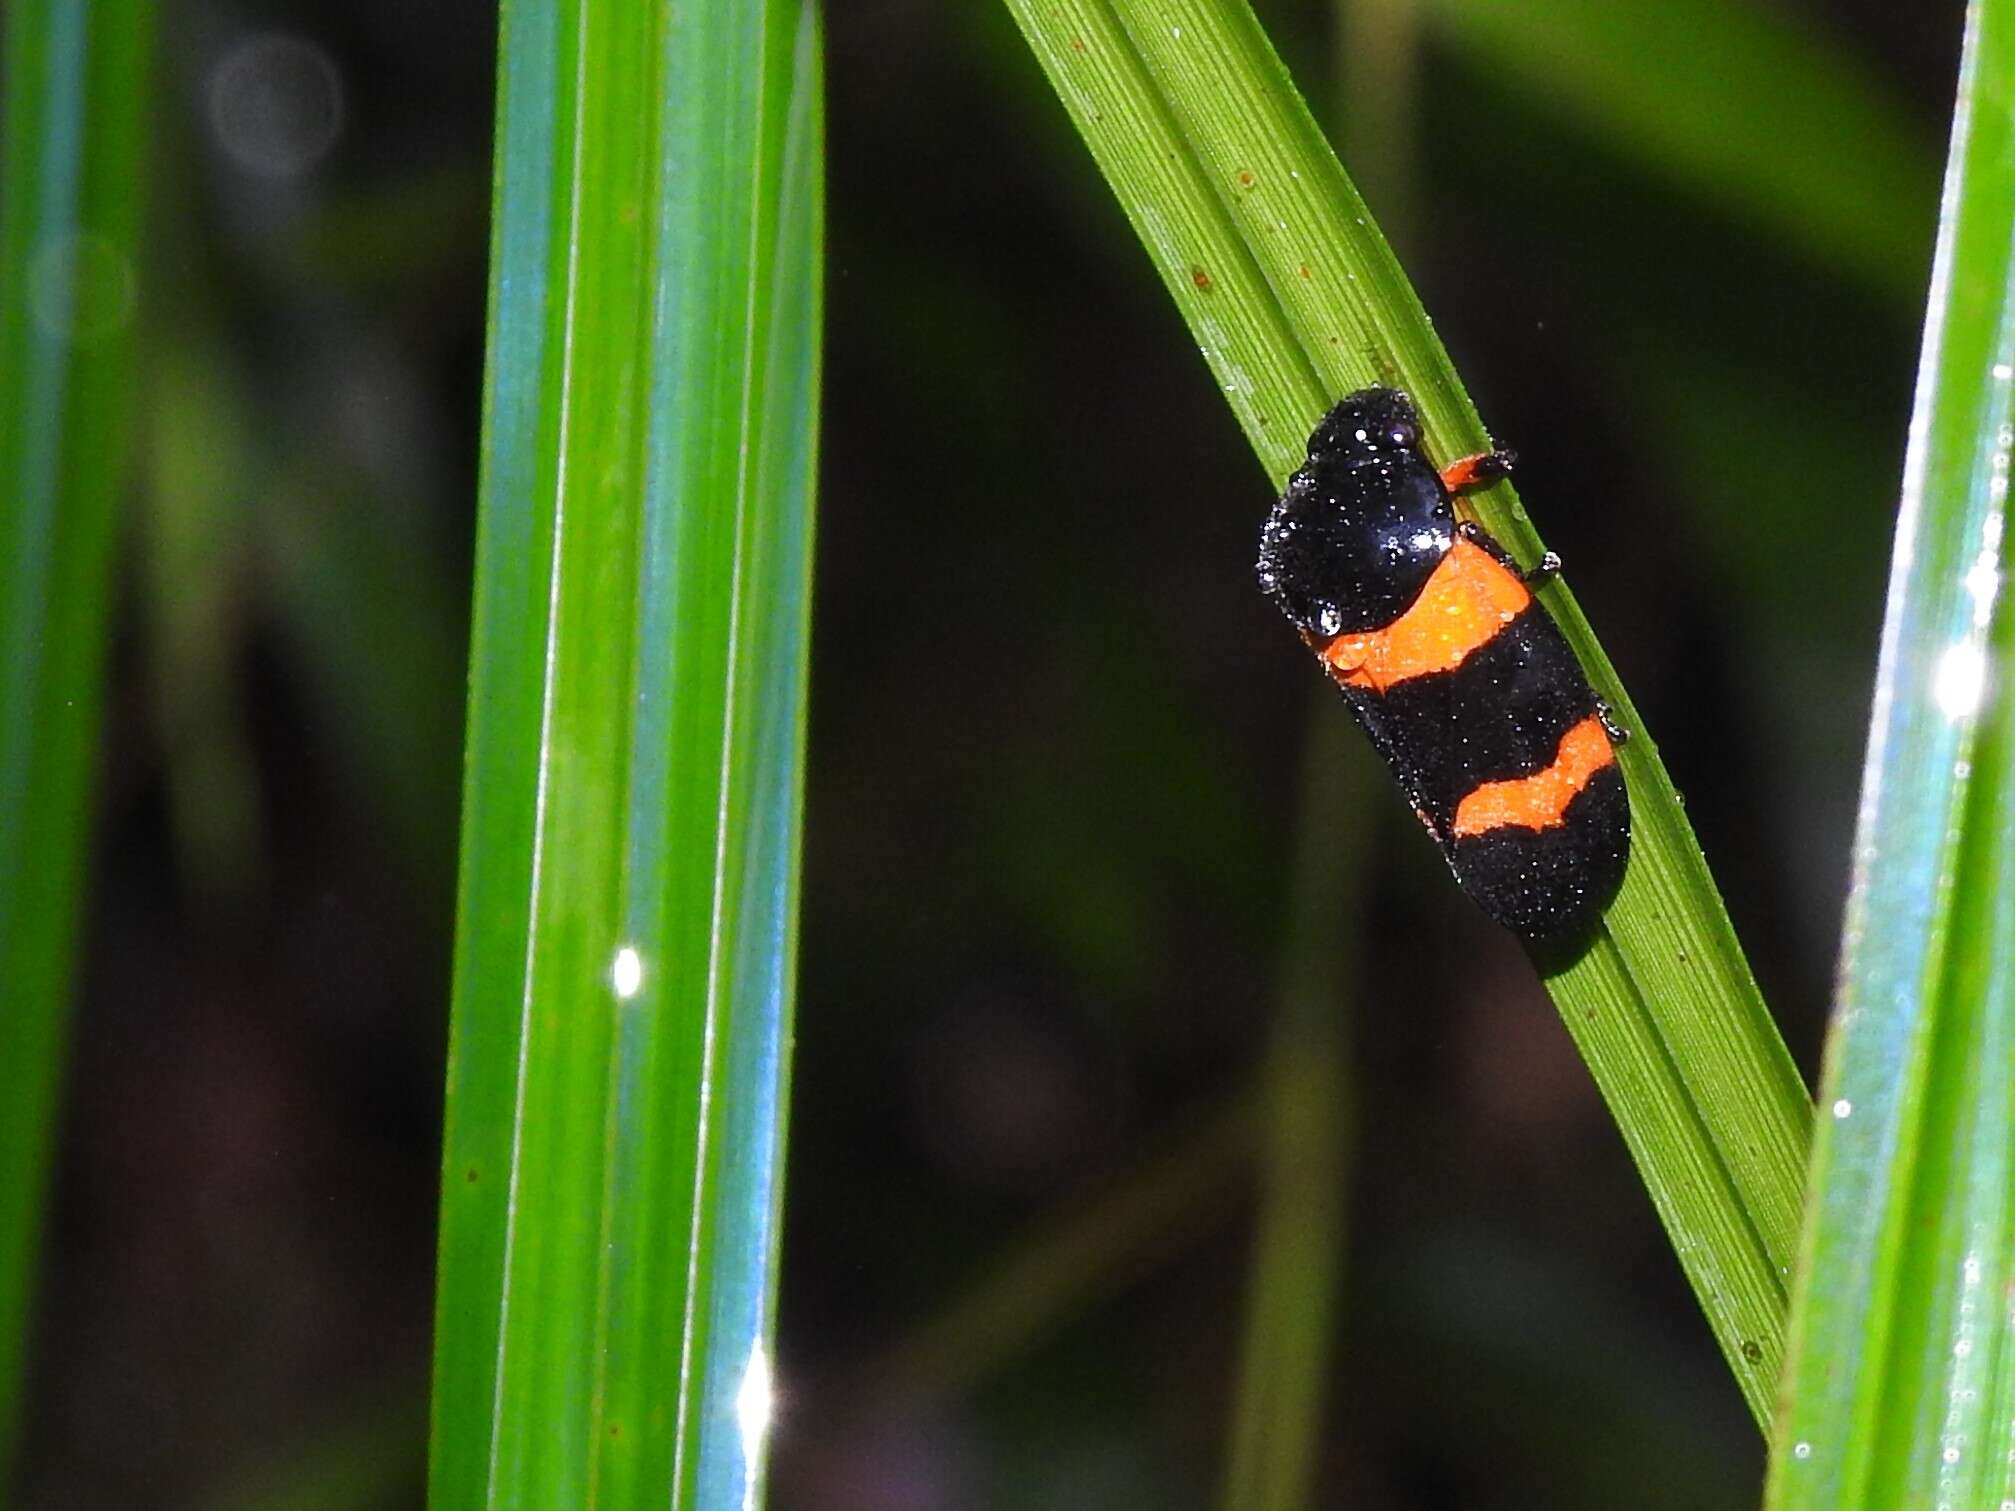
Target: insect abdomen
x=1475 y=700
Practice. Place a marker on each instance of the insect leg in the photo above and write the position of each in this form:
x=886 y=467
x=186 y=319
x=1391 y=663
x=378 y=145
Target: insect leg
x=1478 y=471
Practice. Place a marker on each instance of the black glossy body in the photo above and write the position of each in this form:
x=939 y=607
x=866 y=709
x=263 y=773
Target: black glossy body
x=1348 y=548
x=1362 y=526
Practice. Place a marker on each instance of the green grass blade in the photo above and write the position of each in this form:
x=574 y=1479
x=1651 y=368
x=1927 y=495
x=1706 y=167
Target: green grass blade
x=626 y=941
x=1080 y=1255
x=1294 y=298
x=363 y=1461
x=71 y=201
x=1900 y=1387
x=1299 y=1242
x=1748 y=106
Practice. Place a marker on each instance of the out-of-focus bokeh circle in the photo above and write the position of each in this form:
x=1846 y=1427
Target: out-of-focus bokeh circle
x=276 y=104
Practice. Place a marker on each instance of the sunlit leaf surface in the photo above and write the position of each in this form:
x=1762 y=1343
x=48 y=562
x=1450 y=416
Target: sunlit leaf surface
x=1899 y=1389
x=1294 y=299
x=624 y=955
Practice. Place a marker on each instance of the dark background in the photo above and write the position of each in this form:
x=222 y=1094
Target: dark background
x=1055 y=790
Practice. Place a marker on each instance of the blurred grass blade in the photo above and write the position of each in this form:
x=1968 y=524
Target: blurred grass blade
x=629 y=880
x=1747 y=105
x=1298 y=1245
x=364 y=1460
x=1294 y=299
x=1080 y=1255
x=190 y=535
x=1900 y=1387
x=75 y=88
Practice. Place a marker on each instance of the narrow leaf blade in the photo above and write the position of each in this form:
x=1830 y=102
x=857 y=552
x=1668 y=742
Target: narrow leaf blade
x=1898 y=1388
x=71 y=203
x=1295 y=299
x=625 y=952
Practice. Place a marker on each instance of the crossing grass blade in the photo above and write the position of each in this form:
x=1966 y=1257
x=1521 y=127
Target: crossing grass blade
x=1750 y=108
x=1294 y=298
x=72 y=192
x=626 y=935
x=1898 y=1389
x=1299 y=1237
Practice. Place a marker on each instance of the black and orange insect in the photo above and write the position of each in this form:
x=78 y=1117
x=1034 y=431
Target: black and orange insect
x=1460 y=678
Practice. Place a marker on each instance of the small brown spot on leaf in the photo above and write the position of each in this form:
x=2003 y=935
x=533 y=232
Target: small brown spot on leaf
x=1200 y=278
x=1077 y=44
x=1244 y=179
x=1303 y=270
x=1752 y=1351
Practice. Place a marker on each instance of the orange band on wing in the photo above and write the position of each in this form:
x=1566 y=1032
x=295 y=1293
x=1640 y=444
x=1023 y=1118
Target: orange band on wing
x=1539 y=801
x=1468 y=599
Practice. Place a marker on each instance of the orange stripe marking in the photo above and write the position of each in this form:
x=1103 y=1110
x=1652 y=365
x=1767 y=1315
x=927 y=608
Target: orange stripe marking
x=1470 y=597
x=1539 y=801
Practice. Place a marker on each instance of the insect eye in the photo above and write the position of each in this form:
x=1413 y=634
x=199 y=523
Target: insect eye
x=1403 y=435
